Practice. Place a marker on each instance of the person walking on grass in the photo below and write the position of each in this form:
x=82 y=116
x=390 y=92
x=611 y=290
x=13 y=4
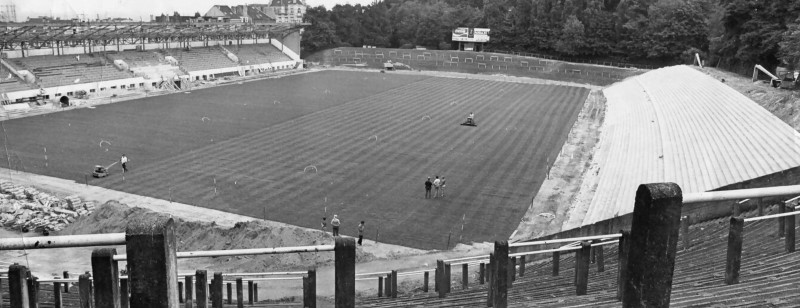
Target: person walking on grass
x=441 y=189
x=436 y=183
x=360 y=232
x=335 y=224
x=428 y=185
x=124 y=161
x=324 y=224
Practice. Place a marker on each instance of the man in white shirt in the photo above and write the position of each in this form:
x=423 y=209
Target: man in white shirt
x=436 y=184
x=335 y=223
x=124 y=161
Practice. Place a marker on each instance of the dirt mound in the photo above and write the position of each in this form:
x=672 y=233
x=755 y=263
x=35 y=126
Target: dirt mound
x=112 y=217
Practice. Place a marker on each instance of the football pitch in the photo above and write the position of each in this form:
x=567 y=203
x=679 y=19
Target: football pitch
x=297 y=148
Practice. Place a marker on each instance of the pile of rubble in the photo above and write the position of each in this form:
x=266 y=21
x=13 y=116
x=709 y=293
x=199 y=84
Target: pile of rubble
x=27 y=209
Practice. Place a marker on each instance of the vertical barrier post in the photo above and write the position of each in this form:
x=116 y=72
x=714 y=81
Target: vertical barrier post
x=18 y=286
x=464 y=276
x=124 y=291
x=239 y=293
x=230 y=293
x=760 y=203
x=790 y=228
x=180 y=292
x=501 y=281
x=33 y=291
x=66 y=284
x=448 y=278
x=737 y=209
x=216 y=293
x=312 y=288
x=188 y=285
x=734 y=253
x=440 y=278
x=305 y=292
x=781 y=220
x=513 y=269
x=200 y=288
x=685 y=224
x=57 y=300
x=582 y=264
x=425 y=282
x=387 y=287
x=653 y=245
x=152 y=264
x=601 y=258
x=345 y=276
x=255 y=292
x=106 y=278
x=85 y=291
x=250 y=292
x=481 y=273
x=521 y=266
x=622 y=262
x=394 y=284
x=490 y=269
x=556 y=260
x=380 y=286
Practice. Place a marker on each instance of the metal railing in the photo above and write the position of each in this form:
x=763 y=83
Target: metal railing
x=242 y=252
x=64 y=241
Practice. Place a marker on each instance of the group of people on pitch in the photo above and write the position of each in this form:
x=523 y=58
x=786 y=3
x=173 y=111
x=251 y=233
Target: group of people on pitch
x=336 y=223
x=438 y=186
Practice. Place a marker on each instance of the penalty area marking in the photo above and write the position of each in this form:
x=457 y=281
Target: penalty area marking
x=310 y=167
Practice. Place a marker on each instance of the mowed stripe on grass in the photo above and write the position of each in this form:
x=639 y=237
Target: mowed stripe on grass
x=371 y=156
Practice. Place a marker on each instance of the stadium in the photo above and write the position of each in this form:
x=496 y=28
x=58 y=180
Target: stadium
x=177 y=164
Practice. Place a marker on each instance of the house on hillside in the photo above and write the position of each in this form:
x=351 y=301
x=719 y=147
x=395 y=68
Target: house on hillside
x=239 y=14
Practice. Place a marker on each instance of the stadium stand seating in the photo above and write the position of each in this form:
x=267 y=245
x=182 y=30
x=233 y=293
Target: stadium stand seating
x=148 y=64
x=201 y=58
x=770 y=277
x=258 y=54
x=10 y=83
x=53 y=71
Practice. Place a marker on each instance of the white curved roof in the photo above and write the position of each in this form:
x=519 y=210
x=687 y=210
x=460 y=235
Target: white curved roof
x=679 y=125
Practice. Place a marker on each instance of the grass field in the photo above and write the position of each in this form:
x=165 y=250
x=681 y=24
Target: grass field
x=293 y=149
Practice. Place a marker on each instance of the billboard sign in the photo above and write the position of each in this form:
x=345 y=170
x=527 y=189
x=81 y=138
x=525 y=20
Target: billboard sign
x=475 y=35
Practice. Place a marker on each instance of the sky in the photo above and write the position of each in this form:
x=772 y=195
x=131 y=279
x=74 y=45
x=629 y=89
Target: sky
x=135 y=9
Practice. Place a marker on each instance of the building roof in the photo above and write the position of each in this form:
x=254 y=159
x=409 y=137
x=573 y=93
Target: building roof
x=235 y=12
x=286 y=2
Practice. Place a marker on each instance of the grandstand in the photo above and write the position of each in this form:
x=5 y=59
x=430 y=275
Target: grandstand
x=259 y=54
x=52 y=71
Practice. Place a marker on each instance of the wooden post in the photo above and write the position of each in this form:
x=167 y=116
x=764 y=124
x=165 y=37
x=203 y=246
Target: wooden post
x=345 y=272
x=239 y=293
x=482 y=273
x=312 y=288
x=255 y=292
x=734 y=254
x=18 y=286
x=250 y=292
x=106 y=278
x=66 y=284
x=380 y=286
x=124 y=291
x=599 y=254
x=501 y=290
x=152 y=263
x=490 y=272
x=440 y=279
x=737 y=209
x=394 y=284
x=85 y=291
x=387 y=287
x=781 y=220
x=521 y=266
x=57 y=303
x=790 y=229
x=582 y=264
x=556 y=260
x=513 y=269
x=425 y=282
x=464 y=276
x=305 y=292
x=216 y=292
x=760 y=203
x=188 y=285
x=230 y=294
x=33 y=292
x=622 y=262
x=448 y=278
x=180 y=292
x=201 y=287
x=685 y=231
x=653 y=245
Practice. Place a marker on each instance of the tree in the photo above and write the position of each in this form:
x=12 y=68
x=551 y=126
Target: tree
x=790 y=45
x=320 y=34
x=572 y=36
x=675 y=27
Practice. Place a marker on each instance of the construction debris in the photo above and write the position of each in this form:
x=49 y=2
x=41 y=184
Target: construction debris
x=28 y=209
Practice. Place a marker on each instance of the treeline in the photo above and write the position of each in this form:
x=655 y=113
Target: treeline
x=656 y=31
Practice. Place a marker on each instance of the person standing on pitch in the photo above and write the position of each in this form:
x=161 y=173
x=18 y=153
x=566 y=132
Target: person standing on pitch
x=436 y=184
x=442 y=188
x=124 y=161
x=360 y=232
x=428 y=185
x=335 y=224
x=324 y=224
